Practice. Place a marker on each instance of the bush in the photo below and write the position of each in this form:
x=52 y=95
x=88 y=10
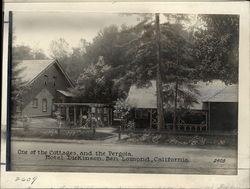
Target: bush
x=196 y=140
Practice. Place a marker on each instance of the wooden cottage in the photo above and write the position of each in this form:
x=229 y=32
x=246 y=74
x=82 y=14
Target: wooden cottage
x=43 y=78
x=223 y=109
x=216 y=103
x=48 y=94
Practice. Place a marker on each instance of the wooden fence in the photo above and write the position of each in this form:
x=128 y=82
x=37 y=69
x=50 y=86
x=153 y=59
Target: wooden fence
x=55 y=131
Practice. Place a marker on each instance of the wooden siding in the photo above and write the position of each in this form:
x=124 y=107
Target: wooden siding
x=223 y=116
x=44 y=87
x=32 y=111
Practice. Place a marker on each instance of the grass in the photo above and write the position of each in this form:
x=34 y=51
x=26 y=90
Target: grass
x=53 y=134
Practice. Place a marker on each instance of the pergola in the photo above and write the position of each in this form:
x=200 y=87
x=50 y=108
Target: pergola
x=97 y=110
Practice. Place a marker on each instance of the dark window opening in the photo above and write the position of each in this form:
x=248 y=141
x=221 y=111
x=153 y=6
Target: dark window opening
x=35 y=103
x=44 y=105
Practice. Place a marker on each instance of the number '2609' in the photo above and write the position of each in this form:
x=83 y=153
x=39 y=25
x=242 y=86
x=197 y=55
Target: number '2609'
x=219 y=161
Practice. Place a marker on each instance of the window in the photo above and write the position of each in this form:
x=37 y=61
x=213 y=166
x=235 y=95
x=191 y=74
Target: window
x=54 y=78
x=44 y=105
x=35 y=103
x=46 y=79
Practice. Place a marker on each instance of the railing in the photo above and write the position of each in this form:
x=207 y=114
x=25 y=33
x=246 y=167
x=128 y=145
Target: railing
x=189 y=127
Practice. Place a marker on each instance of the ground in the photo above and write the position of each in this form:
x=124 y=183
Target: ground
x=200 y=160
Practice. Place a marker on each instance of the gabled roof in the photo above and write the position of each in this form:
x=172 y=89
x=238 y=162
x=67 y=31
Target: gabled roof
x=31 y=69
x=209 y=91
x=142 y=97
x=227 y=94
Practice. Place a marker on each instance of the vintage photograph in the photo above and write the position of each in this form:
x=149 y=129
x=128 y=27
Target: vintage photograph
x=124 y=92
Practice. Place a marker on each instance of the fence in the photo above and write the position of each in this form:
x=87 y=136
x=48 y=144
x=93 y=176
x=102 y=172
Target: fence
x=176 y=132
x=56 y=132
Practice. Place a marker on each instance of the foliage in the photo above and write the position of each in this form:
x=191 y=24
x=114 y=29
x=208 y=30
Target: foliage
x=23 y=52
x=18 y=87
x=186 y=140
x=94 y=85
x=217 y=48
x=122 y=107
x=59 y=49
x=187 y=95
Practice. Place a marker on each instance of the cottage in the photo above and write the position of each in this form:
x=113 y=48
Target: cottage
x=44 y=80
x=223 y=109
x=216 y=108
x=48 y=92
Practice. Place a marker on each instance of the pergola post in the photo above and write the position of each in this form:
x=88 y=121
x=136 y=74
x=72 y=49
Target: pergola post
x=150 y=119
x=80 y=117
x=74 y=115
x=67 y=114
x=206 y=120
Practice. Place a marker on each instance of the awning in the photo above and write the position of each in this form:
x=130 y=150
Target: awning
x=66 y=93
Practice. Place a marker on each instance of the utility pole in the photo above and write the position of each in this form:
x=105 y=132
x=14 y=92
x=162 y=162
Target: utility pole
x=160 y=114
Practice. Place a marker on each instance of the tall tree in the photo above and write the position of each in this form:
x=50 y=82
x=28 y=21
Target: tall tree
x=24 y=52
x=217 y=48
x=176 y=62
x=94 y=84
x=160 y=114
x=59 y=49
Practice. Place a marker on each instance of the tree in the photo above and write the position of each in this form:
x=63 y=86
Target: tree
x=19 y=87
x=24 y=52
x=107 y=45
x=94 y=84
x=160 y=114
x=216 y=48
x=59 y=49
x=163 y=55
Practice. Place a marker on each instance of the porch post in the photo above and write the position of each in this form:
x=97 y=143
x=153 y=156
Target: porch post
x=80 y=117
x=150 y=119
x=209 y=106
x=206 y=121
x=67 y=113
x=111 y=115
x=74 y=115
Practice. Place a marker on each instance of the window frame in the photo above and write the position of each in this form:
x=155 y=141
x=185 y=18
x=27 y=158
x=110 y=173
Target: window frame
x=44 y=105
x=34 y=103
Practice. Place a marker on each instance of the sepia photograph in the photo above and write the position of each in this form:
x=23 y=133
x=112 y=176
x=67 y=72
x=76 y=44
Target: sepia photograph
x=124 y=92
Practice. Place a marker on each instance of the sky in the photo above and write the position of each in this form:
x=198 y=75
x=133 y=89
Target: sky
x=38 y=29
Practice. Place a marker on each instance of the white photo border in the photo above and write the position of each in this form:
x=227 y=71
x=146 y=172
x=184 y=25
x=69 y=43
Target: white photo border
x=122 y=180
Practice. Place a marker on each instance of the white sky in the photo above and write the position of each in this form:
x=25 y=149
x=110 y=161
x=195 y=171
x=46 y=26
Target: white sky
x=38 y=29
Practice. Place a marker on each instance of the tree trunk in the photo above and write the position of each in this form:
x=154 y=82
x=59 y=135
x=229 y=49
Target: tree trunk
x=176 y=93
x=160 y=114
x=175 y=105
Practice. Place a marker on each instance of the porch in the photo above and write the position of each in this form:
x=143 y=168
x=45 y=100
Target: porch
x=84 y=114
x=190 y=121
